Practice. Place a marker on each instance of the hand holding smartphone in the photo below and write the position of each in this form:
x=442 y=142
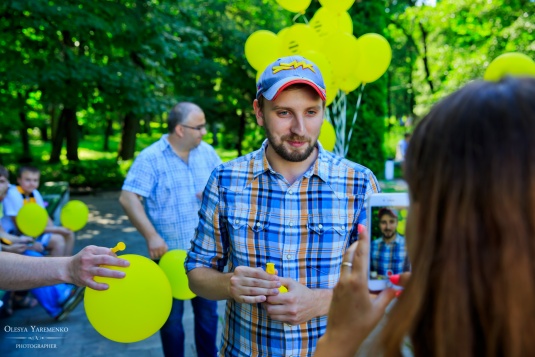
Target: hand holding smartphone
x=387 y=213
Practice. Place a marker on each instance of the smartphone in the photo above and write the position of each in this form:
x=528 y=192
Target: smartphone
x=386 y=219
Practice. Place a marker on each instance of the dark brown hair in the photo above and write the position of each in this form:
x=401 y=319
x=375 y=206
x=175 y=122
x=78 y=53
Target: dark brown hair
x=4 y=172
x=23 y=169
x=470 y=167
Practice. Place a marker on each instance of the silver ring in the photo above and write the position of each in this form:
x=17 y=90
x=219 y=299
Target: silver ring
x=347 y=264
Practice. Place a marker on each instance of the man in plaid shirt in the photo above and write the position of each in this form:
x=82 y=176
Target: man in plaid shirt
x=290 y=203
x=389 y=254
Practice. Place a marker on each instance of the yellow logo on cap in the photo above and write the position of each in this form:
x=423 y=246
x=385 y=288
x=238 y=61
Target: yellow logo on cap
x=293 y=65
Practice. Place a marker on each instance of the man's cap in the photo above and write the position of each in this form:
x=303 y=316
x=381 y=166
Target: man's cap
x=389 y=211
x=287 y=71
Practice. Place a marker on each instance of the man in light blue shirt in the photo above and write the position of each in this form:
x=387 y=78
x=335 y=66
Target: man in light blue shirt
x=161 y=196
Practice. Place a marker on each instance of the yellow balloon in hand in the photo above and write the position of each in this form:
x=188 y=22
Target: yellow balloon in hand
x=32 y=219
x=172 y=264
x=270 y=269
x=133 y=308
x=74 y=215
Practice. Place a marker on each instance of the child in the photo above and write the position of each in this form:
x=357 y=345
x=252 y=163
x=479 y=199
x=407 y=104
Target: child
x=58 y=300
x=59 y=241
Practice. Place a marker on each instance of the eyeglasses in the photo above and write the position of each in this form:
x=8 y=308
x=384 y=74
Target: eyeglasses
x=199 y=127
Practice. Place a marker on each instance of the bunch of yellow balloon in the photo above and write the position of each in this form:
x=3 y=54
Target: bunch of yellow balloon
x=327 y=40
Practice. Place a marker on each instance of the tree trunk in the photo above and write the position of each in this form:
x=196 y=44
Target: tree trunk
x=128 y=137
x=426 y=58
x=241 y=133
x=57 y=137
x=107 y=133
x=72 y=134
x=26 y=154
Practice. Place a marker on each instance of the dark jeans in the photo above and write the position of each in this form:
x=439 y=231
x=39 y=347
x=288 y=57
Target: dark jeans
x=205 y=316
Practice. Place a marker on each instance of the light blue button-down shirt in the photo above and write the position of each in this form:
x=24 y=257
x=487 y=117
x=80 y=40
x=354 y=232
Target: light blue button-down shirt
x=169 y=185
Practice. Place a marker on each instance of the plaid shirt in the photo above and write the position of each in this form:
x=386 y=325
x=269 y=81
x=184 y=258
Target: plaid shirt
x=169 y=186
x=389 y=256
x=250 y=215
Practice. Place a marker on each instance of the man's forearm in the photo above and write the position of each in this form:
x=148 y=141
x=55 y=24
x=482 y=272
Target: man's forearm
x=18 y=272
x=137 y=215
x=210 y=283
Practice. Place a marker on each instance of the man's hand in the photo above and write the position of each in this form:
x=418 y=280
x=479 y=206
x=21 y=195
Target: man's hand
x=36 y=247
x=300 y=304
x=18 y=248
x=157 y=247
x=252 y=285
x=85 y=265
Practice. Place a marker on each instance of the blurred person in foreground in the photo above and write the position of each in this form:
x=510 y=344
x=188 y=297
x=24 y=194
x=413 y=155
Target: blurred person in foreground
x=470 y=169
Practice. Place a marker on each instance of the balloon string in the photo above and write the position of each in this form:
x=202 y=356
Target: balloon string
x=298 y=15
x=354 y=117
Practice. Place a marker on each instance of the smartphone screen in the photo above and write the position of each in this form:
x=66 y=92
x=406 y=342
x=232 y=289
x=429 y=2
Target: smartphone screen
x=387 y=217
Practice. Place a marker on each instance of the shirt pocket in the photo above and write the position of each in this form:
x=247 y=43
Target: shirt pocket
x=248 y=236
x=328 y=237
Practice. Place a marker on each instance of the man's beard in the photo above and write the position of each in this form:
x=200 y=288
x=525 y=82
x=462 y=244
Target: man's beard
x=293 y=156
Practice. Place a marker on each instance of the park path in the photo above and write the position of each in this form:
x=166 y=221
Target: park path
x=107 y=225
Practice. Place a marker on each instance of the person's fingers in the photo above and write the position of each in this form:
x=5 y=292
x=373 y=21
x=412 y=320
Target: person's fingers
x=400 y=279
x=347 y=261
x=110 y=260
x=361 y=258
x=96 y=286
x=109 y=273
x=383 y=299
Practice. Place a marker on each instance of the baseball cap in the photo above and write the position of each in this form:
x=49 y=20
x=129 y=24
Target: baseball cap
x=287 y=71
x=390 y=211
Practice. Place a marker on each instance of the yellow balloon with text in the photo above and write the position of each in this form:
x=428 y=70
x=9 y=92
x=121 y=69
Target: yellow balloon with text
x=261 y=48
x=327 y=136
x=32 y=219
x=375 y=56
x=510 y=64
x=74 y=215
x=337 y=5
x=133 y=308
x=294 y=5
x=298 y=38
x=172 y=264
x=326 y=21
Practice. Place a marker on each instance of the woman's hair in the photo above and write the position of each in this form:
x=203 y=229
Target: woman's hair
x=470 y=168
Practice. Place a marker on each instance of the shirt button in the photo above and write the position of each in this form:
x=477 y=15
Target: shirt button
x=320 y=226
x=291 y=223
x=290 y=192
x=237 y=221
x=289 y=256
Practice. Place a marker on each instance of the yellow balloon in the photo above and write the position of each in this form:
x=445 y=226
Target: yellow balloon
x=32 y=219
x=326 y=21
x=512 y=64
x=261 y=48
x=331 y=91
x=299 y=38
x=345 y=23
x=375 y=57
x=349 y=83
x=327 y=136
x=74 y=215
x=294 y=5
x=133 y=308
x=172 y=264
x=341 y=49
x=322 y=62
x=337 y=5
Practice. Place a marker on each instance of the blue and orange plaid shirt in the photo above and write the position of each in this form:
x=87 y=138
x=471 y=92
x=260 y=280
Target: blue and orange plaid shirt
x=250 y=216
